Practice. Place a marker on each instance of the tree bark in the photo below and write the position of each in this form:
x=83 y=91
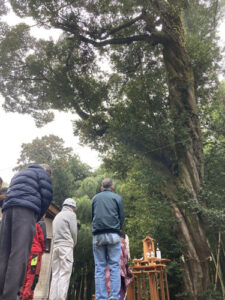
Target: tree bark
x=189 y=155
x=195 y=254
x=218 y=259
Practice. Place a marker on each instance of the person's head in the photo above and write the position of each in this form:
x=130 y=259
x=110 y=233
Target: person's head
x=122 y=234
x=1 y=182
x=71 y=203
x=46 y=168
x=107 y=184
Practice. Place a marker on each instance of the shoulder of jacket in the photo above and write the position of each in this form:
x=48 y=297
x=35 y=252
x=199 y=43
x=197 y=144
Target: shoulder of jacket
x=67 y=213
x=34 y=166
x=23 y=176
x=116 y=195
x=96 y=196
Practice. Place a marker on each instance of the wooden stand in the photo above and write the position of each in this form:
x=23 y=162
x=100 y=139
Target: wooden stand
x=150 y=278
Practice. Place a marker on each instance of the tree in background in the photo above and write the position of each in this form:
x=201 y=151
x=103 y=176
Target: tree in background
x=43 y=150
x=67 y=169
x=164 y=63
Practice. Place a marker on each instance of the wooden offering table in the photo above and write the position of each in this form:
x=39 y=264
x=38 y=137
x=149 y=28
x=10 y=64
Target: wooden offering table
x=150 y=276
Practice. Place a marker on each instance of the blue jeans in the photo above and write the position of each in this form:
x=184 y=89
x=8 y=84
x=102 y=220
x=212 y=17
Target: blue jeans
x=106 y=249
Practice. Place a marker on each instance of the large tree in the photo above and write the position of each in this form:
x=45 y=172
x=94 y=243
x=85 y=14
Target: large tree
x=163 y=61
x=43 y=150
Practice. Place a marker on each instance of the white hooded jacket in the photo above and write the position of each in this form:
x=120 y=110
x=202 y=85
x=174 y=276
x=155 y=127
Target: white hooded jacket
x=65 y=228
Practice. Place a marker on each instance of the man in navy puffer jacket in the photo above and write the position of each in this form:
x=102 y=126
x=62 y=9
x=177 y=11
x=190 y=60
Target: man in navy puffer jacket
x=27 y=199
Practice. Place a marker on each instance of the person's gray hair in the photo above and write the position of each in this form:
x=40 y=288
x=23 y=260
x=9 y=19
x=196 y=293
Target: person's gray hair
x=46 y=167
x=107 y=183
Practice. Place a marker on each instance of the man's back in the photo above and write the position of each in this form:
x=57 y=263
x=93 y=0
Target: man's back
x=65 y=228
x=30 y=188
x=107 y=212
x=107 y=220
x=65 y=238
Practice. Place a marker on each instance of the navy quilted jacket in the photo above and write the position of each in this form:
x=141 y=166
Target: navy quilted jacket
x=30 y=188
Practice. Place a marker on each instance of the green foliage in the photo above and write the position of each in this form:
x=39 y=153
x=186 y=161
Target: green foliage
x=213 y=188
x=202 y=46
x=84 y=210
x=62 y=181
x=88 y=187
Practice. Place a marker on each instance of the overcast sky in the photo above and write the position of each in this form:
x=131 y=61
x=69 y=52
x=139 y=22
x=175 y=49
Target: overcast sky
x=17 y=129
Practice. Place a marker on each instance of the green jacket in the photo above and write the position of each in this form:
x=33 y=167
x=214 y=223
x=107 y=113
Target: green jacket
x=107 y=212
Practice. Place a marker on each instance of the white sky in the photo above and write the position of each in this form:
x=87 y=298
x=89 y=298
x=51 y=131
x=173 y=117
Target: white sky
x=17 y=129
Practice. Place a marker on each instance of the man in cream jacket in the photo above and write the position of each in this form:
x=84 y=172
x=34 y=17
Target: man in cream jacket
x=65 y=239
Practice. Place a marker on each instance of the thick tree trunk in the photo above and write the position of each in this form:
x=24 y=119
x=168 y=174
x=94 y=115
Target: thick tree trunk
x=190 y=232
x=196 y=253
x=189 y=153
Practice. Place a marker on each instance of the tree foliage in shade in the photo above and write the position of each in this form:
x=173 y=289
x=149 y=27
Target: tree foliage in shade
x=164 y=62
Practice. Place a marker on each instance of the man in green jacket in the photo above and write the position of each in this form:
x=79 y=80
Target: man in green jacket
x=107 y=221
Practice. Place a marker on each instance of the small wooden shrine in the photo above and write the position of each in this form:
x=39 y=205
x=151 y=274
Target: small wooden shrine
x=150 y=277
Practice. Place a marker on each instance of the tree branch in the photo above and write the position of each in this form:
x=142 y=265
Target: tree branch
x=155 y=38
x=83 y=115
x=119 y=41
x=215 y=13
x=25 y=78
x=121 y=27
